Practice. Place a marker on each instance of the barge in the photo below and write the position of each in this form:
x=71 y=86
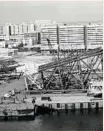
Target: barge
x=22 y=111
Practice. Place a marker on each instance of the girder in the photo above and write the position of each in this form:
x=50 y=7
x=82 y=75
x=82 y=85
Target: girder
x=72 y=72
x=71 y=59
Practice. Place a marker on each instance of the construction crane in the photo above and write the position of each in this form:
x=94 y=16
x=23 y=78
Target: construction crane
x=29 y=80
x=49 y=45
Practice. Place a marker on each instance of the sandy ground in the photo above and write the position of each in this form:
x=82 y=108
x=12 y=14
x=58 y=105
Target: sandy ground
x=31 y=63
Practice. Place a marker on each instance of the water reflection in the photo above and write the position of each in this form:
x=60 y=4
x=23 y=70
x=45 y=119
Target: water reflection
x=63 y=122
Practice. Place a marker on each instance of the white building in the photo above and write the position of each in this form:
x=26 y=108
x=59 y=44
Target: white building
x=51 y=33
x=25 y=28
x=31 y=28
x=7 y=31
x=2 y=44
x=12 y=29
x=71 y=37
x=30 y=39
x=8 y=52
x=45 y=22
x=94 y=36
x=1 y=30
x=16 y=29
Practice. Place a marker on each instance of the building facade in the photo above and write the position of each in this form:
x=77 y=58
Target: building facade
x=49 y=32
x=94 y=36
x=71 y=37
x=30 y=39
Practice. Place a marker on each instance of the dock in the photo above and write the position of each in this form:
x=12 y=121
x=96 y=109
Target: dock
x=76 y=102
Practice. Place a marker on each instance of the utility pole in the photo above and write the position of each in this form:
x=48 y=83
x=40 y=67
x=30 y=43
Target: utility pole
x=58 y=42
x=42 y=76
x=85 y=38
x=58 y=53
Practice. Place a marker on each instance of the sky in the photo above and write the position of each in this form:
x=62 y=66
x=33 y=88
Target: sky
x=64 y=11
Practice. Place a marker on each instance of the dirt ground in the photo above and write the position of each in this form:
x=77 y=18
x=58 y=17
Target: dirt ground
x=14 y=84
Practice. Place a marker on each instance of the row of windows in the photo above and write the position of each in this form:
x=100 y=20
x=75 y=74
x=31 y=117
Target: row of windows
x=94 y=33
x=100 y=42
x=72 y=39
x=72 y=42
x=62 y=35
x=91 y=38
x=94 y=44
x=95 y=37
x=74 y=31
x=67 y=32
x=71 y=34
x=78 y=30
x=75 y=35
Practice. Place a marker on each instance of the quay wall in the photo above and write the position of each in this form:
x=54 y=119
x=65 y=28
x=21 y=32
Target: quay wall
x=78 y=106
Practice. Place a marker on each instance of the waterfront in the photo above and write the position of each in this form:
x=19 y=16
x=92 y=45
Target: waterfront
x=63 y=122
x=51 y=66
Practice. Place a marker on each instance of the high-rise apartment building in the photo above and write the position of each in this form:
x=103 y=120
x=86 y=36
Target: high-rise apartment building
x=25 y=28
x=51 y=33
x=71 y=37
x=45 y=22
x=16 y=29
x=12 y=30
x=31 y=28
x=2 y=33
x=30 y=38
x=94 y=36
x=20 y=29
x=7 y=31
x=1 y=30
x=41 y=23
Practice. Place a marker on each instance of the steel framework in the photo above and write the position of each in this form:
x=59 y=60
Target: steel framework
x=72 y=72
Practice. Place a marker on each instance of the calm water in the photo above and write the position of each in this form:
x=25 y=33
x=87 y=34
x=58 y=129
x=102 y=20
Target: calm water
x=63 y=122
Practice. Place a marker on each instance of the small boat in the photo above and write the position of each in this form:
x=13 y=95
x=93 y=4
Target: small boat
x=95 y=89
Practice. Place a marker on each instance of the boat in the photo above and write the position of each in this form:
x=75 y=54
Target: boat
x=95 y=88
x=18 y=112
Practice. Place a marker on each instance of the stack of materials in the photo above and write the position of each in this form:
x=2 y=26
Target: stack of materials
x=8 y=69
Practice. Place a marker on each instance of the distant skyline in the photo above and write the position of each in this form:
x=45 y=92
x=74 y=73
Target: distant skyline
x=69 y=11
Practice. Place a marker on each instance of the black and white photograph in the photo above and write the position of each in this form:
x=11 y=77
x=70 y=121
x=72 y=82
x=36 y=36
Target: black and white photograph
x=51 y=65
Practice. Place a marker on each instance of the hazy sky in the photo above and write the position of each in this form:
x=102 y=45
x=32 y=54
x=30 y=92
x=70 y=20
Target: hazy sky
x=17 y=12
